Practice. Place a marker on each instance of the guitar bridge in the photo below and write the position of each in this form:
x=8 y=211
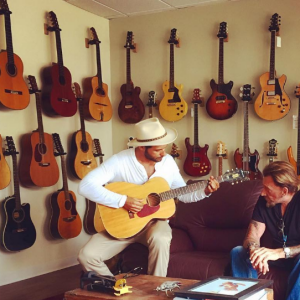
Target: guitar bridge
x=44 y=164
x=64 y=100
x=13 y=92
x=86 y=163
x=69 y=219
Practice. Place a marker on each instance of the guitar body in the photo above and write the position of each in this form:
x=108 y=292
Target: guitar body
x=221 y=105
x=14 y=92
x=131 y=109
x=92 y=218
x=65 y=221
x=82 y=160
x=172 y=107
x=118 y=222
x=58 y=96
x=272 y=102
x=196 y=163
x=97 y=104
x=254 y=172
x=4 y=169
x=38 y=166
x=292 y=160
x=19 y=232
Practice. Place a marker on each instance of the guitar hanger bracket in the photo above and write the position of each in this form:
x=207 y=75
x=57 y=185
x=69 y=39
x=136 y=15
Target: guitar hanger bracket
x=87 y=43
x=135 y=48
x=177 y=45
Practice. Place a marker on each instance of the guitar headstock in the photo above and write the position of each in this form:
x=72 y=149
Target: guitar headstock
x=129 y=41
x=11 y=148
x=53 y=22
x=272 y=148
x=58 y=146
x=33 y=84
x=94 y=36
x=297 y=91
x=151 y=99
x=196 y=97
x=174 y=151
x=77 y=90
x=221 y=149
x=234 y=176
x=246 y=94
x=97 y=146
x=223 y=31
x=4 y=7
x=173 y=37
x=275 y=23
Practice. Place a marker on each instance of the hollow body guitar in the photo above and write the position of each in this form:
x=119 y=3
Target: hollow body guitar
x=4 y=169
x=272 y=103
x=38 y=166
x=221 y=105
x=19 y=231
x=196 y=163
x=172 y=107
x=65 y=221
x=97 y=104
x=58 y=97
x=158 y=203
x=131 y=109
x=14 y=93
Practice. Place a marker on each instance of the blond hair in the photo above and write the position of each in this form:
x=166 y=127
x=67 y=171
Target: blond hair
x=283 y=175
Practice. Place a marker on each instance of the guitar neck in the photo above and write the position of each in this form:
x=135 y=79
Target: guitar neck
x=99 y=72
x=298 y=141
x=246 y=138
x=82 y=125
x=16 y=182
x=196 y=141
x=64 y=175
x=39 y=118
x=171 y=66
x=220 y=165
x=59 y=53
x=272 y=55
x=150 y=112
x=9 y=43
x=128 y=70
x=221 y=61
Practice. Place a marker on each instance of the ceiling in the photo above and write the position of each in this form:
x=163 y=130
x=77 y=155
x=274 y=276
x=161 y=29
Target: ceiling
x=111 y=9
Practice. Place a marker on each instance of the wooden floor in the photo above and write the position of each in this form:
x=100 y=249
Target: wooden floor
x=50 y=286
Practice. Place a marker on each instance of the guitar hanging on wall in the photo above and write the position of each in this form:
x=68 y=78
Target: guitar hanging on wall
x=4 y=169
x=196 y=163
x=38 y=166
x=131 y=109
x=97 y=104
x=14 y=93
x=58 y=97
x=272 y=103
x=221 y=105
x=172 y=107
x=296 y=163
x=272 y=154
x=247 y=161
x=81 y=160
x=151 y=103
x=19 y=232
x=221 y=154
x=65 y=221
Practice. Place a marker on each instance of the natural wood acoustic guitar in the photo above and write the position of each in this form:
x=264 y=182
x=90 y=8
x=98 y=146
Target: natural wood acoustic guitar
x=14 y=93
x=172 y=107
x=38 y=166
x=272 y=103
x=97 y=104
x=4 y=169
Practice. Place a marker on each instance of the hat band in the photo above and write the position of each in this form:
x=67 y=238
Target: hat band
x=150 y=140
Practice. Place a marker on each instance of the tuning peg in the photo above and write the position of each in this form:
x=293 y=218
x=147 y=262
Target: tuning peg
x=241 y=88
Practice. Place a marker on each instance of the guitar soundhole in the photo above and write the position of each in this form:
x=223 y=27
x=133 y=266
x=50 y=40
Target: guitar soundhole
x=153 y=199
x=42 y=149
x=18 y=215
x=68 y=205
x=84 y=146
x=62 y=80
x=11 y=69
x=100 y=92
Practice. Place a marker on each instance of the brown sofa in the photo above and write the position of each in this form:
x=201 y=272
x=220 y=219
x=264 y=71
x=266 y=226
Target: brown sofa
x=204 y=233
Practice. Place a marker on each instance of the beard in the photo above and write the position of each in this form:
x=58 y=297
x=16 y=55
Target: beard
x=150 y=157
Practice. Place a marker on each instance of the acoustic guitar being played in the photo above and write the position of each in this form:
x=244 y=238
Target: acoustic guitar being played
x=14 y=93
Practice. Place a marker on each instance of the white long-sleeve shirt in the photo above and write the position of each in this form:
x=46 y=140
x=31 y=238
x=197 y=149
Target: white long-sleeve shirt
x=124 y=166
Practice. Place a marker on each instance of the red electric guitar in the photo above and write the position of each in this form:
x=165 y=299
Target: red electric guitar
x=58 y=97
x=196 y=163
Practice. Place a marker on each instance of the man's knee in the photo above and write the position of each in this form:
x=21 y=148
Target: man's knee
x=161 y=239
x=237 y=251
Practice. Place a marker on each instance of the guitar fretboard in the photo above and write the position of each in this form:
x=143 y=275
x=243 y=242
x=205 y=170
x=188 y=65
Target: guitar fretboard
x=9 y=43
x=246 y=138
x=272 y=55
x=221 y=61
x=172 y=66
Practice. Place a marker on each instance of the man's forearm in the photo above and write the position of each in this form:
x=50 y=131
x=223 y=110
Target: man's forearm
x=251 y=241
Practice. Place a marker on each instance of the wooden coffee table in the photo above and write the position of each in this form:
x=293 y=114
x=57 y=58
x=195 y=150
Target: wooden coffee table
x=143 y=288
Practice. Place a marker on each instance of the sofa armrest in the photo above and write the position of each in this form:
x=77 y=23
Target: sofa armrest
x=181 y=241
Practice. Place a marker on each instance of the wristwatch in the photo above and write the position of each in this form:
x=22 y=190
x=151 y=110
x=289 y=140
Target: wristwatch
x=287 y=252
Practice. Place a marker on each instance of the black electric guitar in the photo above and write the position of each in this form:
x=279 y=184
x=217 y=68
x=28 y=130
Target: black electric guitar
x=151 y=103
x=19 y=232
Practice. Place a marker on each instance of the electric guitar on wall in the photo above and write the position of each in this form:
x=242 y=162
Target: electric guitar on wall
x=38 y=166
x=131 y=108
x=158 y=203
x=196 y=163
x=272 y=150
x=14 y=93
x=65 y=221
x=58 y=97
x=272 y=102
x=174 y=151
x=4 y=169
x=172 y=107
x=221 y=105
x=19 y=232
x=81 y=160
x=92 y=220
x=296 y=163
x=221 y=154
x=247 y=161
x=151 y=103
x=97 y=104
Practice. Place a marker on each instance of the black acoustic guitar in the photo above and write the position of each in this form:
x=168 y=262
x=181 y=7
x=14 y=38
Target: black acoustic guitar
x=19 y=232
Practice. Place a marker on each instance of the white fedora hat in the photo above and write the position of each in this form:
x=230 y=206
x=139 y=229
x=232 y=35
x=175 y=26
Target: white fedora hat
x=150 y=132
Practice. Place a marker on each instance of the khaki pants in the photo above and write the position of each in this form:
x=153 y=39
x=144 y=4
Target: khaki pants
x=101 y=247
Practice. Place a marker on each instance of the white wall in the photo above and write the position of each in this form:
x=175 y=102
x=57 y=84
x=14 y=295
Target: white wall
x=37 y=51
x=246 y=57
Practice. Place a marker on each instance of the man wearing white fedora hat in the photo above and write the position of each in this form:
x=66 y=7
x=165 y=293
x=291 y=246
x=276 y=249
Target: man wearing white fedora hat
x=137 y=165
